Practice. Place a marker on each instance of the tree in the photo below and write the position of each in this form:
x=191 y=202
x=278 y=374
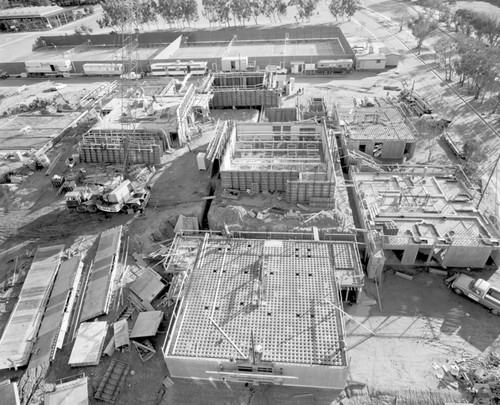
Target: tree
x=305 y=8
x=463 y=21
x=402 y=15
x=189 y=11
x=474 y=155
x=446 y=49
x=350 y=7
x=274 y=9
x=241 y=10
x=335 y=7
x=256 y=9
x=421 y=26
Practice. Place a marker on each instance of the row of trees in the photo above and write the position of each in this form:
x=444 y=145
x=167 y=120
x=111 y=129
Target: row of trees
x=218 y=12
x=476 y=64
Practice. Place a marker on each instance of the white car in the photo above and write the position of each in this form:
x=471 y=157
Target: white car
x=131 y=76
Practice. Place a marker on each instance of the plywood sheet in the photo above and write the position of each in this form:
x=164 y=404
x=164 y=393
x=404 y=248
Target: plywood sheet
x=22 y=327
x=88 y=344
x=71 y=393
x=98 y=293
x=121 y=333
x=147 y=324
x=44 y=346
x=9 y=394
x=148 y=285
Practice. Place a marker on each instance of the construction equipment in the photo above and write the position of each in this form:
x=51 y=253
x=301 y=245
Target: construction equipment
x=83 y=199
x=123 y=198
x=417 y=103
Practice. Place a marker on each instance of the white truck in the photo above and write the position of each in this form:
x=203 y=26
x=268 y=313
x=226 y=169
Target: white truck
x=123 y=198
x=478 y=290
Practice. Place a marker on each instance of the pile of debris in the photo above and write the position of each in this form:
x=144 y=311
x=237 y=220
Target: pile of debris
x=478 y=375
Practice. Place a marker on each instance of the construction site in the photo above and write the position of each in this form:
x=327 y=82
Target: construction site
x=237 y=234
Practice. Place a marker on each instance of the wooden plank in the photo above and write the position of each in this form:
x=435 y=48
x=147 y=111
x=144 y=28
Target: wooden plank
x=121 y=336
x=24 y=322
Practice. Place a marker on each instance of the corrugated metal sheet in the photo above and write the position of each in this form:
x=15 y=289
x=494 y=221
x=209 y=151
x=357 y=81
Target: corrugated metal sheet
x=22 y=328
x=99 y=288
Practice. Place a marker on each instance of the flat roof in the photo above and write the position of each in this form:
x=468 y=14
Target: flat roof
x=30 y=12
x=375 y=123
x=193 y=52
x=283 y=293
x=85 y=53
x=319 y=48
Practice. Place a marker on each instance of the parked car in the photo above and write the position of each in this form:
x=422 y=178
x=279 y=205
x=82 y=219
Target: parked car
x=478 y=290
x=3 y=74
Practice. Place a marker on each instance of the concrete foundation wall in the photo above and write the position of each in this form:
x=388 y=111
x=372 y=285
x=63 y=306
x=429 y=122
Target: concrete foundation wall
x=245 y=98
x=306 y=376
x=269 y=181
x=467 y=256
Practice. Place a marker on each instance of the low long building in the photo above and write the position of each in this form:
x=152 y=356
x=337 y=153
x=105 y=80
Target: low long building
x=260 y=311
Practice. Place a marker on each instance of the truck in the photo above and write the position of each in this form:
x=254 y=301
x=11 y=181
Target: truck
x=478 y=290
x=123 y=198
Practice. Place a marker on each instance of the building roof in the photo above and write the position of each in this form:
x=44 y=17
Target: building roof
x=375 y=123
x=371 y=56
x=30 y=12
x=276 y=297
x=386 y=51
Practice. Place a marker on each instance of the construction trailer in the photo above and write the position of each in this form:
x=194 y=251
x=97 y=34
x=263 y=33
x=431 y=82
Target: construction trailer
x=103 y=69
x=56 y=67
x=383 y=132
x=241 y=307
x=423 y=216
x=295 y=158
x=371 y=61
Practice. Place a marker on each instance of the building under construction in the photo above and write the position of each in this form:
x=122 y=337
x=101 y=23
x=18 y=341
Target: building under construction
x=423 y=216
x=383 y=132
x=295 y=158
x=259 y=311
x=139 y=127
